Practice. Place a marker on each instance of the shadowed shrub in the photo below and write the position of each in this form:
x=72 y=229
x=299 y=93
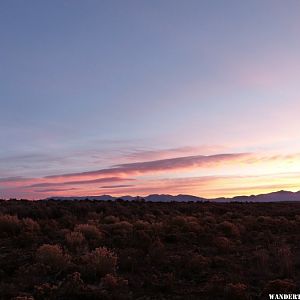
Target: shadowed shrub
x=236 y=291
x=223 y=244
x=9 y=225
x=111 y=282
x=279 y=286
x=229 y=229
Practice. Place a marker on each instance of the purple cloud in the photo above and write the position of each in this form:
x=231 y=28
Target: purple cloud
x=116 y=186
x=159 y=165
x=79 y=182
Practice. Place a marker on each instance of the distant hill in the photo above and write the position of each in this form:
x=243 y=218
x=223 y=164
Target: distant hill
x=279 y=196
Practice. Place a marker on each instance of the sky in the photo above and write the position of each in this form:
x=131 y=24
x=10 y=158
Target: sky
x=138 y=97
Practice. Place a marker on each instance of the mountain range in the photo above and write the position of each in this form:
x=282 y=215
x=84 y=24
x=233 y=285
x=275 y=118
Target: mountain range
x=279 y=196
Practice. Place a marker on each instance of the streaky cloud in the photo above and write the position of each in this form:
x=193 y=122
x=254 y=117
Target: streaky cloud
x=160 y=165
x=116 y=186
x=55 y=190
x=79 y=182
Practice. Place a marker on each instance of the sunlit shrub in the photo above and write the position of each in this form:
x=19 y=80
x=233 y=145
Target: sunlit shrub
x=121 y=228
x=75 y=240
x=30 y=225
x=100 y=262
x=52 y=256
x=142 y=225
x=90 y=232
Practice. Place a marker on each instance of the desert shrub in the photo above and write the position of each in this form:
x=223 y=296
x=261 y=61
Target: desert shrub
x=142 y=239
x=197 y=264
x=142 y=225
x=285 y=260
x=52 y=256
x=262 y=258
x=110 y=220
x=100 y=262
x=121 y=228
x=30 y=225
x=157 y=251
x=214 y=287
x=297 y=218
x=129 y=259
x=165 y=250
x=72 y=287
x=236 y=291
x=279 y=286
x=45 y=291
x=209 y=219
x=75 y=240
x=223 y=244
x=178 y=221
x=9 y=225
x=229 y=229
x=111 y=282
x=90 y=232
x=157 y=227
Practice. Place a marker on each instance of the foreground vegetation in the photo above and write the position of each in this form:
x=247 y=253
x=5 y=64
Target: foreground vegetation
x=137 y=250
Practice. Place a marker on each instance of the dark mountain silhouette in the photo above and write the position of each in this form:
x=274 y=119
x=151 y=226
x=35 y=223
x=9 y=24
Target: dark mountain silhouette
x=279 y=196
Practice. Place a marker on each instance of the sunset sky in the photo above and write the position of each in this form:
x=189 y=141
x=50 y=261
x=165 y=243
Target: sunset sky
x=128 y=97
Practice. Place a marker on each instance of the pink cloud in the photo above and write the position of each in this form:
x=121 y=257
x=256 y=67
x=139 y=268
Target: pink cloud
x=161 y=165
x=118 y=176
x=116 y=186
x=80 y=182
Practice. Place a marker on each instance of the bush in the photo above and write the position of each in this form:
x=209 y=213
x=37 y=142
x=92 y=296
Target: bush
x=9 y=225
x=285 y=260
x=45 y=291
x=52 y=256
x=223 y=244
x=197 y=264
x=30 y=225
x=100 y=262
x=236 y=291
x=284 y=286
x=110 y=220
x=75 y=240
x=72 y=287
x=111 y=282
x=229 y=229
x=121 y=228
x=90 y=232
